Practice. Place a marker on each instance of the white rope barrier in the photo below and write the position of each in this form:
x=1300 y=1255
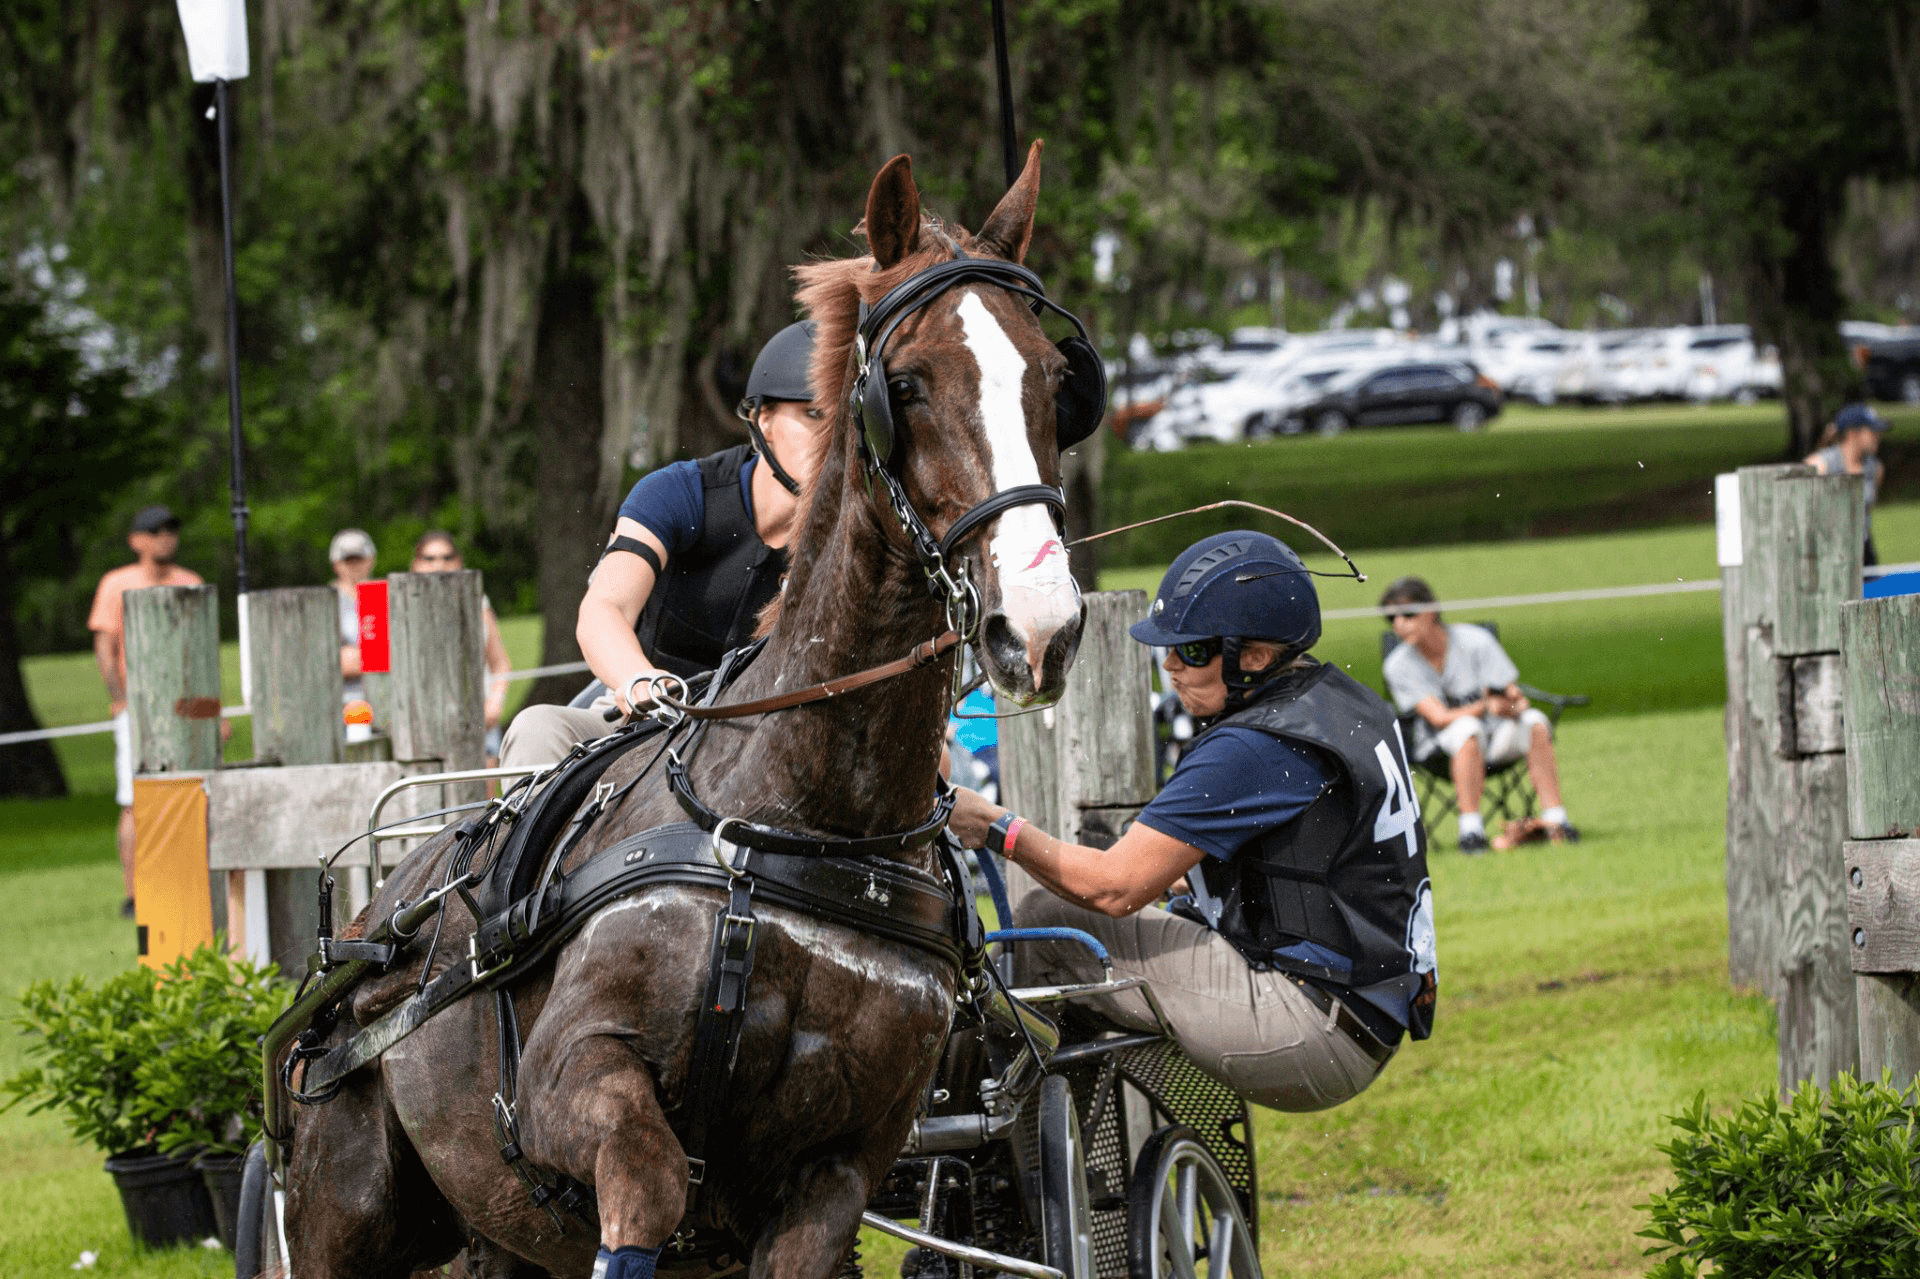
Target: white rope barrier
x=1332 y=615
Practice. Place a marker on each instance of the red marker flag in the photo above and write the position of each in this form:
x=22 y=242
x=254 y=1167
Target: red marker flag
x=373 y=627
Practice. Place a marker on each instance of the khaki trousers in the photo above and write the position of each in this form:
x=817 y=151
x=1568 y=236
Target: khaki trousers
x=1255 y=1032
x=542 y=735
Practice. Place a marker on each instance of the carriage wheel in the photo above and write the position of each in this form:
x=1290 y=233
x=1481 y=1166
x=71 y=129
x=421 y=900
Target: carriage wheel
x=1066 y=1211
x=1183 y=1218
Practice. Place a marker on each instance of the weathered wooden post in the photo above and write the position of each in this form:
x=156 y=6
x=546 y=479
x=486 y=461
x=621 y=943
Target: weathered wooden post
x=296 y=720
x=173 y=701
x=173 y=677
x=439 y=669
x=1796 y=560
x=1881 y=643
x=1084 y=769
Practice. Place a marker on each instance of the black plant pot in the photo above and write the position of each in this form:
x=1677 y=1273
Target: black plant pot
x=222 y=1174
x=164 y=1196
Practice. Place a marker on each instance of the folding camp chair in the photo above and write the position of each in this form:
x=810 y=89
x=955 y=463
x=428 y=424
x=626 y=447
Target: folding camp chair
x=1509 y=792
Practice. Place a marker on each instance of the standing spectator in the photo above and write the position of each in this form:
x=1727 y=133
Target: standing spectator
x=435 y=552
x=1854 y=449
x=1462 y=685
x=352 y=554
x=155 y=539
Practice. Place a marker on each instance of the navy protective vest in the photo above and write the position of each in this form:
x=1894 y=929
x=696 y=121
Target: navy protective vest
x=709 y=599
x=1339 y=895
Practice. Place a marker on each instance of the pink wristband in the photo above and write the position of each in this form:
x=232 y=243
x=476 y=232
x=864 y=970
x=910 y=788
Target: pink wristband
x=1013 y=833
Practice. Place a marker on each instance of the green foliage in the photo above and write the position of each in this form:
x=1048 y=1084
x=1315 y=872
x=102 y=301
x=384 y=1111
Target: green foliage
x=92 y=1042
x=201 y=1086
x=167 y=1060
x=1827 y=1185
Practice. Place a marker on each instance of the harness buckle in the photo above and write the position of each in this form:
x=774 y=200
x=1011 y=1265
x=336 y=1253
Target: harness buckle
x=696 y=1172
x=494 y=961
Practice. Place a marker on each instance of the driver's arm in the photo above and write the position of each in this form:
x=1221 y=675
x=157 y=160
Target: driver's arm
x=1136 y=872
x=616 y=593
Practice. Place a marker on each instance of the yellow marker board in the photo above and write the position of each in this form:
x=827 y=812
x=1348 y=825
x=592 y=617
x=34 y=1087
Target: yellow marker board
x=172 y=902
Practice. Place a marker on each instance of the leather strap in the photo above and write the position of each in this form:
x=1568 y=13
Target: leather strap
x=716 y=1035
x=923 y=654
x=1350 y=1025
x=1019 y=495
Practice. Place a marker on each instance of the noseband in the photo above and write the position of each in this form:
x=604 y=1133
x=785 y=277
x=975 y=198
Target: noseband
x=948 y=582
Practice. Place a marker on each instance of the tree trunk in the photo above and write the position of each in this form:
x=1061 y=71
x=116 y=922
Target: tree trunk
x=30 y=769
x=1796 y=304
x=573 y=511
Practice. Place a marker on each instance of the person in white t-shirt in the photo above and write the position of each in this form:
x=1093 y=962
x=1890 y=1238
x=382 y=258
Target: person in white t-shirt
x=1464 y=690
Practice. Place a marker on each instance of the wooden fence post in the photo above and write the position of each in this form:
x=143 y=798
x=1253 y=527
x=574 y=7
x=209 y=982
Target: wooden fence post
x=1881 y=640
x=173 y=705
x=173 y=677
x=438 y=648
x=1796 y=560
x=1084 y=770
x=297 y=691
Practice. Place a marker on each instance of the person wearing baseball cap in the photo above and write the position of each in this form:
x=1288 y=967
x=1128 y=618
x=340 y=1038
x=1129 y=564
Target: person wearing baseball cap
x=351 y=553
x=1852 y=443
x=154 y=536
x=1298 y=951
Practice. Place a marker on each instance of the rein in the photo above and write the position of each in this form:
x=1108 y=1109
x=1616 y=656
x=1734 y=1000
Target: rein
x=923 y=654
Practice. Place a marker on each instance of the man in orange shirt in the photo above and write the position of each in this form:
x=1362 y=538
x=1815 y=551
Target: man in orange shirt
x=155 y=539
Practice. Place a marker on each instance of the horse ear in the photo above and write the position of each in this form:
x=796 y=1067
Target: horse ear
x=893 y=213
x=1009 y=229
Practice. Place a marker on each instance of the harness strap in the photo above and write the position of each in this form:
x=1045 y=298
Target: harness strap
x=1019 y=495
x=884 y=899
x=716 y=1036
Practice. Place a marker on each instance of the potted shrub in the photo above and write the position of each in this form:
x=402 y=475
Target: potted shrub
x=92 y=1043
x=201 y=1084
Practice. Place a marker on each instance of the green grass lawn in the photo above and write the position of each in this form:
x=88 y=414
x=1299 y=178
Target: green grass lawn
x=1584 y=997
x=1535 y=472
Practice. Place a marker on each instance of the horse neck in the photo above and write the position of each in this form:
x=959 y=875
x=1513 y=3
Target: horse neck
x=864 y=762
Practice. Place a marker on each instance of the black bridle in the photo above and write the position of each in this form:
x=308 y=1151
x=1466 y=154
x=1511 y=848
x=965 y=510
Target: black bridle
x=947 y=581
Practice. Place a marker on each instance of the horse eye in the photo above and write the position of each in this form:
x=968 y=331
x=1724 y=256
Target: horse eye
x=901 y=389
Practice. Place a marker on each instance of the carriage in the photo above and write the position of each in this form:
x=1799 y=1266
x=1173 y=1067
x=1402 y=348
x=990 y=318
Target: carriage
x=1050 y=1146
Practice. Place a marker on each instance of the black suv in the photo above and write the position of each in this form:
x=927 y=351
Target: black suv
x=1410 y=391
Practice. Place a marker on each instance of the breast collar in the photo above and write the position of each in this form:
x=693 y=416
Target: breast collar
x=948 y=582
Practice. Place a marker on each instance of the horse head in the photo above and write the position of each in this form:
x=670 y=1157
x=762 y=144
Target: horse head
x=966 y=415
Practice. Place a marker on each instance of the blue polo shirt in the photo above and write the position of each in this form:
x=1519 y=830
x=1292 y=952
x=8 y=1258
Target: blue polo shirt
x=671 y=503
x=1234 y=785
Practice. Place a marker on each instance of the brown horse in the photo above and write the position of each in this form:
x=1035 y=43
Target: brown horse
x=402 y=1169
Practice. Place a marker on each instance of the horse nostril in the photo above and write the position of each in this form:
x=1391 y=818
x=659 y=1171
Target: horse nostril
x=1008 y=650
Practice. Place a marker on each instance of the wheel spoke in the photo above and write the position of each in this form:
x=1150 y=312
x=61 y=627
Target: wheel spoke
x=1188 y=1187
x=1178 y=1243
x=1222 y=1248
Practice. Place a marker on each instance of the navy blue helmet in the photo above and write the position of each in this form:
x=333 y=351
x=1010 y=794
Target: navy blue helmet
x=1235 y=586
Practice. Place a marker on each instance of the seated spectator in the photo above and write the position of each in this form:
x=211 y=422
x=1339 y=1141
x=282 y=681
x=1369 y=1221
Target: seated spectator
x=1852 y=447
x=435 y=552
x=1462 y=685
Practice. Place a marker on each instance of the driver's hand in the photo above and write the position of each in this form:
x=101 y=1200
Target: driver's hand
x=972 y=814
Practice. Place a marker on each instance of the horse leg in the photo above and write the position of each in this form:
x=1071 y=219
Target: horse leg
x=359 y=1200
x=818 y=1219
x=592 y=1114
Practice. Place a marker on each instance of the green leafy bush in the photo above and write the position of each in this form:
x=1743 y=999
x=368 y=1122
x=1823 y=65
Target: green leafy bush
x=165 y=1060
x=201 y=1087
x=91 y=1042
x=1828 y=1185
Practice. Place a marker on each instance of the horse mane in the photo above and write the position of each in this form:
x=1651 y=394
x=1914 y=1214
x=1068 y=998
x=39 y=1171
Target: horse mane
x=831 y=291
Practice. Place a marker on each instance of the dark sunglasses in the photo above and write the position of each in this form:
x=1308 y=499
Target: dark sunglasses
x=1197 y=653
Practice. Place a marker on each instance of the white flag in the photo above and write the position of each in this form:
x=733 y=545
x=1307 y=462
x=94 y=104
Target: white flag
x=216 y=38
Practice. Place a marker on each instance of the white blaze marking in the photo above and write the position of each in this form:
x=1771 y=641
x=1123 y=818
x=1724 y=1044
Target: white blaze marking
x=1024 y=547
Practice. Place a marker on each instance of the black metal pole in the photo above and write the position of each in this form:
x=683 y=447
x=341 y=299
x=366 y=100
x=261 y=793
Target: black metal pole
x=1009 y=142
x=220 y=106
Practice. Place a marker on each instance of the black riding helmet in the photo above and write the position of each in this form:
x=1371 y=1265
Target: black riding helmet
x=780 y=372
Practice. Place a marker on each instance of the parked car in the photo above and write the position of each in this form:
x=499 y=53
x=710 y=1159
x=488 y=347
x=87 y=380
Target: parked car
x=1891 y=367
x=1403 y=392
x=1223 y=408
